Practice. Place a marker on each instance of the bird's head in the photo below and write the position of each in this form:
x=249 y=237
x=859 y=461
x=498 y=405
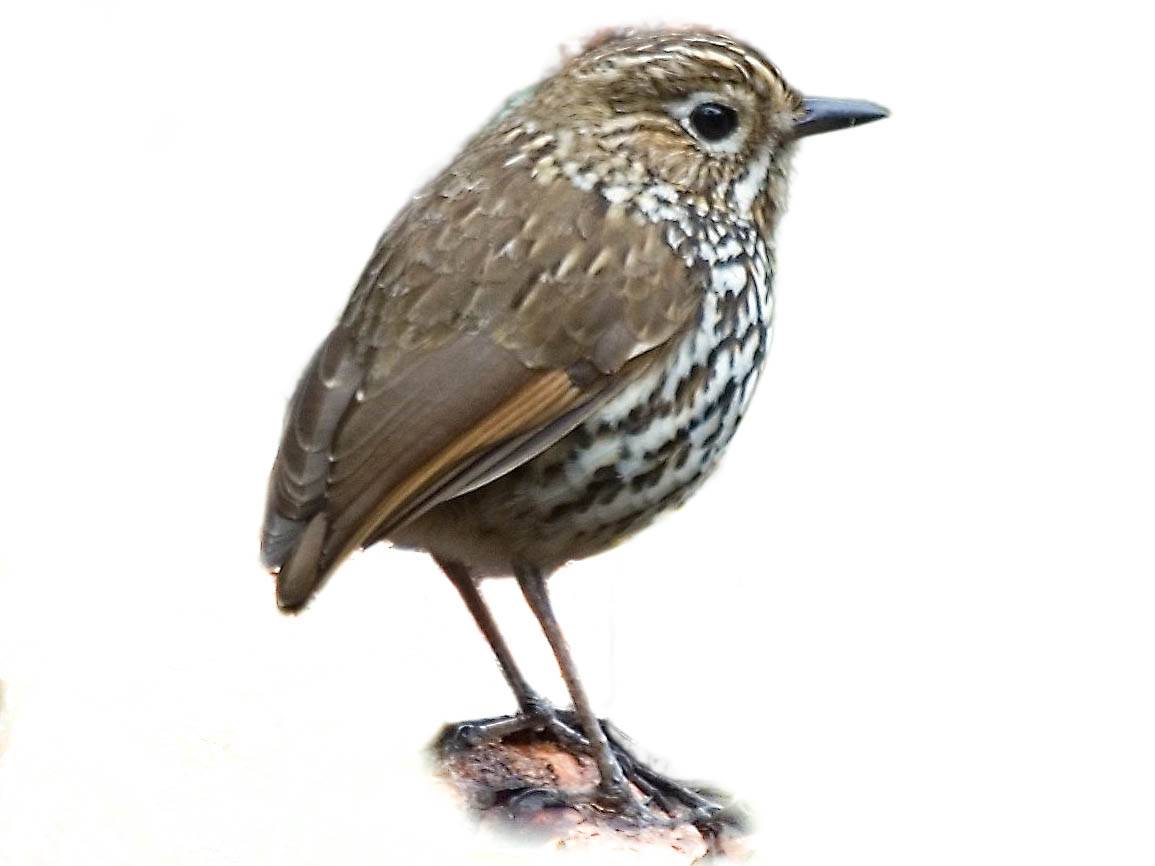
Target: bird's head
x=697 y=112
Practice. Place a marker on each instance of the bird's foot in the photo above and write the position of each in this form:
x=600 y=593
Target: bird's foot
x=643 y=796
x=480 y=732
x=536 y=716
x=655 y=796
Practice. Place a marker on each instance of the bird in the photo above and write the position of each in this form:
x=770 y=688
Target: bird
x=553 y=343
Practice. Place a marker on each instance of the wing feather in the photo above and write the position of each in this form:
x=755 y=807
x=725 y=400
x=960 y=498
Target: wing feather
x=497 y=312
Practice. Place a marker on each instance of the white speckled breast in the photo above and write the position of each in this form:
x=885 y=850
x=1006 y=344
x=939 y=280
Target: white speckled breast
x=650 y=447
x=653 y=444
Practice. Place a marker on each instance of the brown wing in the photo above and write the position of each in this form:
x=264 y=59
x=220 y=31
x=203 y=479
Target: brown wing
x=497 y=312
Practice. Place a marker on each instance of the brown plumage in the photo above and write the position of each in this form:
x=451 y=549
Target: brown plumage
x=504 y=270
x=556 y=338
x=482 y=323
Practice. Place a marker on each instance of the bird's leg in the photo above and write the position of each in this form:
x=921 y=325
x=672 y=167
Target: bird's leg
x=614 y=786
x=535 y=712
x=527 y=699
x=617 y=763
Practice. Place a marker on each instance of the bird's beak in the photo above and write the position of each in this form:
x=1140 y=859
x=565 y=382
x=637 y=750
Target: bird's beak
x=820 y=114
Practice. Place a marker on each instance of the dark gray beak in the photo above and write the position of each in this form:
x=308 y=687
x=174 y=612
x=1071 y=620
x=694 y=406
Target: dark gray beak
x=820 y=114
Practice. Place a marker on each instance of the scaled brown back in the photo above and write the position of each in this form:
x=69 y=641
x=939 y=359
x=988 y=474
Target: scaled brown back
x=496 y=312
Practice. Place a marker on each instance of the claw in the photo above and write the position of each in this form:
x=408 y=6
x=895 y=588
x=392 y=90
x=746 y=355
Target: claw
x=470 y=735
x=677 y=800
x=642 y=793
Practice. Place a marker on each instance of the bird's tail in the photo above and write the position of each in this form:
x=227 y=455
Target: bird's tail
x=303 y=571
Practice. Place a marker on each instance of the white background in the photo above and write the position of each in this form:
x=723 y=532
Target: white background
x=910 y=620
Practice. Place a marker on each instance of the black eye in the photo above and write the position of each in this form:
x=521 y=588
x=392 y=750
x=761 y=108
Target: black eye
x=713 y=121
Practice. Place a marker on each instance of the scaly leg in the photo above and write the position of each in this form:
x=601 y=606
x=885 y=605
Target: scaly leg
x=616 y=761
x=614 y=786
x=535 y=712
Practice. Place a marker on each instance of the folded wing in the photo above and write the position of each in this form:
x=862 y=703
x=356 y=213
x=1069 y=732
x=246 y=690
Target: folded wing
x=497 y=312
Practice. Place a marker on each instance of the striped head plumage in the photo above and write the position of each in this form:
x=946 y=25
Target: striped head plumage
x=647 y=117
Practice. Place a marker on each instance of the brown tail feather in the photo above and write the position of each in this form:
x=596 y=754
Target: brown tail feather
x=303 y=572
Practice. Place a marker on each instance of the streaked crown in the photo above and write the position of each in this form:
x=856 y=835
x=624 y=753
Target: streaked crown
x=699 y=113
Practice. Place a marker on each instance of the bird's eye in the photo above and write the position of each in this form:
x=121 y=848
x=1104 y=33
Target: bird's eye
x=713 y=121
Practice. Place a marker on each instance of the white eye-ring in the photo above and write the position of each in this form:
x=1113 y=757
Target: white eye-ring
x=711 y=120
